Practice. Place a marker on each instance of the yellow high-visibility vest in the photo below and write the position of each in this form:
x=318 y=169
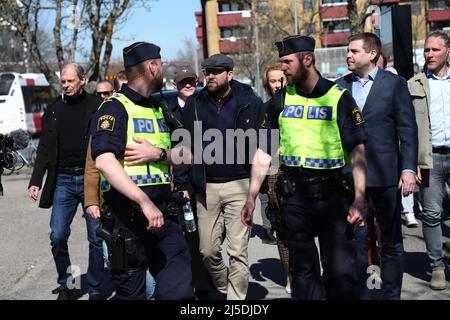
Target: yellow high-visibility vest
x=309 y=132
x=148 y=124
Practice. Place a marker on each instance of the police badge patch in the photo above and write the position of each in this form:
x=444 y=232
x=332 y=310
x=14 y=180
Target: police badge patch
x=357 y=116
x=106 y=123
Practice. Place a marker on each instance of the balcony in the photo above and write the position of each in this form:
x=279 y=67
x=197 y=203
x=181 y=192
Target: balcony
x=338 y=11
x=335 y=39
x=438 y=5
x=438 y=15
x=229 y=46
x=237 y=18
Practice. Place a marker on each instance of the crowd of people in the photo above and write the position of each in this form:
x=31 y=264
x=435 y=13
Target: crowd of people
x=340 y=155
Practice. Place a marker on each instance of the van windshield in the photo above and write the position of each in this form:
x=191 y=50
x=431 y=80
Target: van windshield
x=37 y=98
x=6 y=81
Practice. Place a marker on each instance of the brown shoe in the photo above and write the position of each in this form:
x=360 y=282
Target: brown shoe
x=446 y=247
x=437 y=281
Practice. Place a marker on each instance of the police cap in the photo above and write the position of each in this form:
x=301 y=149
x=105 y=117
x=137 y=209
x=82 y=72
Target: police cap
x=139 y=52
x=218 y=62
x=294 y=44
x=184 y=73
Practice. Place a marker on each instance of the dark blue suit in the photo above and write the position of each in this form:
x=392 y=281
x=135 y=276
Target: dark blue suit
x=391 y=148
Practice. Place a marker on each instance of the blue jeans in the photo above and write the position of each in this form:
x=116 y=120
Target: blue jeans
x=150 y=285
x=433 y=192
x=66 y=197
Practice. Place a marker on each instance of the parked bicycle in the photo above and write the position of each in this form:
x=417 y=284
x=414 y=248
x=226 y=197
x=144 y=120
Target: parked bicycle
x=11 y=160
x=28 y=155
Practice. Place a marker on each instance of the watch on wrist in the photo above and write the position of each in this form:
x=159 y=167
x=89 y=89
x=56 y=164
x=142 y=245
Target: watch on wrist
x=163 y=155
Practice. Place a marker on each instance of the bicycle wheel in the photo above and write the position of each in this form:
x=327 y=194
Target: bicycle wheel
x=32 y=159
x=20 y=161
x=8 y=161
x=32 y=153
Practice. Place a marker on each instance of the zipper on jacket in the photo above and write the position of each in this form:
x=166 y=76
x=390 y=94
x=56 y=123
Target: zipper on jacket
x=204 y=166
x=237 y=115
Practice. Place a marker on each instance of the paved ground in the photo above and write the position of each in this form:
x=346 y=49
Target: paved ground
x=27 y=270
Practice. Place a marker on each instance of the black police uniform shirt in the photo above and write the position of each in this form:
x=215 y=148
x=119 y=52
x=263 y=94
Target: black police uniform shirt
x=349 y=117
x=114 y=139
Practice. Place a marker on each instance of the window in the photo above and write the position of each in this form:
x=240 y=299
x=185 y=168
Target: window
x=263 y=5
x=6 y=81
x=224 y=7
x=308 y=5
x=235 y=32
x=37 y=98
x=440 y=25
x=331 y=2
x=438 y=5
x=230 y=6
x=416 y=8
x=335 y=26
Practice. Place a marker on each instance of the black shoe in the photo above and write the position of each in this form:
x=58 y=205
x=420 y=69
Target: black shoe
x=65 y=294
x=95 y=296
x=268 y=238
x=201 y=295
x=58 y=289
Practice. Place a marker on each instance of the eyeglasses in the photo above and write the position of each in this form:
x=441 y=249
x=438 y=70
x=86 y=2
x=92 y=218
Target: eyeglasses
x=103 y=93
x=188 y=81
x=215 y=72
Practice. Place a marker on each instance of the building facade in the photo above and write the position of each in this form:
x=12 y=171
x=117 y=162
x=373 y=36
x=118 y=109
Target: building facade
x=246 y=30
x=224 y=25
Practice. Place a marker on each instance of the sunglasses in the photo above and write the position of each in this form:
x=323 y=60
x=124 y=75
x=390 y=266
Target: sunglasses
x=103 y=93
x=215 y=72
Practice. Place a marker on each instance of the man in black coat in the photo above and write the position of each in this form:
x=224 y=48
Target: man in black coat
x=391 y=149
x=62 y=153
x=186 y=83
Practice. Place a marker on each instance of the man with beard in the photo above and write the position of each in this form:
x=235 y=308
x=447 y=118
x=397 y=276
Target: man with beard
x=136 y=184
x=220 y=181
x=319 y=125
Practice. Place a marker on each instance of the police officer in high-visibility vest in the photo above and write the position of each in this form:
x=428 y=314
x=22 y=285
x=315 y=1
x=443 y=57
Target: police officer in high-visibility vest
x=320 y=127
x=136 y=183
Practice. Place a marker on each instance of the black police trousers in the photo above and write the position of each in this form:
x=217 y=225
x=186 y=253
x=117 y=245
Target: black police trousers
x=168 y=261
x=305 y=218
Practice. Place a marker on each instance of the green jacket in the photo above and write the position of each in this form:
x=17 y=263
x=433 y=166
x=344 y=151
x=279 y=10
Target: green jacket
x=419 y=89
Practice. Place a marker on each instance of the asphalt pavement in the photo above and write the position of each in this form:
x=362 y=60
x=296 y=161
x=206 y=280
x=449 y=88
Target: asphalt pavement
x=27 y=270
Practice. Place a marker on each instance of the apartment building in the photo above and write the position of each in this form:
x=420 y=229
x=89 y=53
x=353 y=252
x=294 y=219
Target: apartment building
x=224 y=25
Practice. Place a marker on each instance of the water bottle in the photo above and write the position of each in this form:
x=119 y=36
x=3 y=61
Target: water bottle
x=189 y=218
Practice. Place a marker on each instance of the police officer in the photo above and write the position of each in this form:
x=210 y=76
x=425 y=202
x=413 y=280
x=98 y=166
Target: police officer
x=319 y=124
x=137 y=186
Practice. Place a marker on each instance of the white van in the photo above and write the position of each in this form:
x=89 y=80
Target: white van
x=23 y=100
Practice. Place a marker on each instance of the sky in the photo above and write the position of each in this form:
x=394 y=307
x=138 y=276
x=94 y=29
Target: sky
x=166 y=24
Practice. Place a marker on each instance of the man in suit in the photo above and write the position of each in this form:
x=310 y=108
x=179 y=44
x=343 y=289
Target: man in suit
x=391 y=148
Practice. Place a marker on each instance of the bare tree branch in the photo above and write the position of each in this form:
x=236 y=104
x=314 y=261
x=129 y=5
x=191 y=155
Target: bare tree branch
x=95 y=19
x=57 y=34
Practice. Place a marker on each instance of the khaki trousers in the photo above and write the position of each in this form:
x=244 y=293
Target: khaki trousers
x=220 y=219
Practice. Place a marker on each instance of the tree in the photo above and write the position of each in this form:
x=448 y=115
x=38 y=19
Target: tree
x=186 y=52
x=271 y=21
x=358 y=14
x=75 y=20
